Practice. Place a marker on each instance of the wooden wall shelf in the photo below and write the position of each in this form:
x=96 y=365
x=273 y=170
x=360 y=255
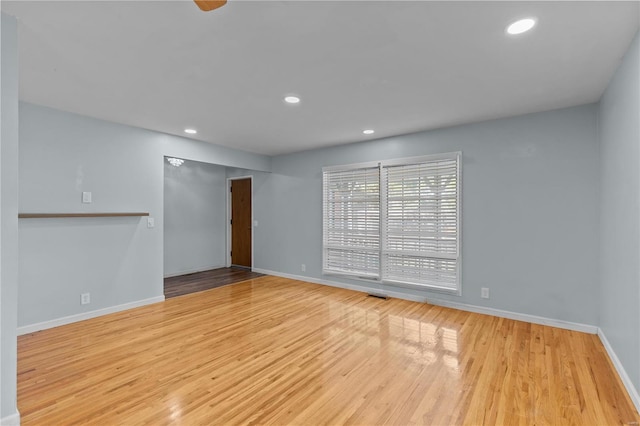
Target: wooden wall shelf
x=50 y=215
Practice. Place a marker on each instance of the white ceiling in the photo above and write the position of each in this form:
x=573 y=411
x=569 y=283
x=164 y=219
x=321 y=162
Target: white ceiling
x=396 y=67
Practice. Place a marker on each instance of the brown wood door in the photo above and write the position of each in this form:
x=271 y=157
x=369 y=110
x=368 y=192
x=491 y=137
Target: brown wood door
x=241 y=222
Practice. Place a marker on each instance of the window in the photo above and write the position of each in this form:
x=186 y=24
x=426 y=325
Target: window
x=352 y=222
x=395 y=221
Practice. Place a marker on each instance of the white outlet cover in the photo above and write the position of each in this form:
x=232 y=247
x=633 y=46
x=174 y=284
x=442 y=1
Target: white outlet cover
x=150 y=222
x=86 y=197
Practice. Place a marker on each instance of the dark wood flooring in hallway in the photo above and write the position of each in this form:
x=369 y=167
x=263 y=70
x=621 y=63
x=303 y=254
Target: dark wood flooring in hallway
x=206 y=280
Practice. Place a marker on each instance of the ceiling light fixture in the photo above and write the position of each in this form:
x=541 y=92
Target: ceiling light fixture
x=191 y=131
x=292 y=99
x=368 y=132
x=175 y=162
x=521 y=26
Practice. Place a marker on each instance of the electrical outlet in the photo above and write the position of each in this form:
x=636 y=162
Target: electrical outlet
x=86 y=197
x=85 y=298
x=303 y=267
x=484 y=292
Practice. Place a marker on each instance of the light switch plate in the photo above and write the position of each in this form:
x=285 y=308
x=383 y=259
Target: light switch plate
x=150 y=222
x=86 y=197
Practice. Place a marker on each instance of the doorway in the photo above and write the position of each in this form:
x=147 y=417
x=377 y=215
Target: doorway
x=240 y=224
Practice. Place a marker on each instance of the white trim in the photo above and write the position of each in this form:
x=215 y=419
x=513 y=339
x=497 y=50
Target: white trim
x=423 y=287
x=459 y=220
x=194 y=271
x=585 y=328
x=390 y=283
x=353 y=166
x=395 y=161
x=534 y=319
x=355 y=287
x=626 y=381
x=11 y=420
x=405 y=161
x=25 y=329
x=253 y=228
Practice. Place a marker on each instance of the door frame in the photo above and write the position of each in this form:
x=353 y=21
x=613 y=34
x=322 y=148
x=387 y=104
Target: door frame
x=228 y=255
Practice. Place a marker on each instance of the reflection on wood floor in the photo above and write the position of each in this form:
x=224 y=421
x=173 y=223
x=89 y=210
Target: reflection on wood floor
x=278 y=351
x=206 y=280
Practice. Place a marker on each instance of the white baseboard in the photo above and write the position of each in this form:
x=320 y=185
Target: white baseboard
x=25 y=329
x=626 y=380
x=193 y=271
x=592 y=329
x=354 y=287
x=11 y=420
x=585 y=328
x=534 y=319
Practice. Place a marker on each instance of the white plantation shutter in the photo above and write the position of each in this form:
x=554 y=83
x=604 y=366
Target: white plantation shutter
x=397 y=221
x=351 y=230
x=420 y=230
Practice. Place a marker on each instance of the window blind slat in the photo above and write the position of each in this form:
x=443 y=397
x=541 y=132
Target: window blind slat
x=421 y=230
x=351 y=228
x=398 y=223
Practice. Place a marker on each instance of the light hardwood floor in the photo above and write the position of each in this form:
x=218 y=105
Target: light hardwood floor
x=277 y=351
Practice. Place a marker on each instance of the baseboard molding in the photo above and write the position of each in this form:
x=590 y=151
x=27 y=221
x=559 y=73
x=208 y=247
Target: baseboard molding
x=534 y=319
x=354 y=287
x=585 y=328
x=626 y=380
x=25 y=329
x=11 y=420
x=194 y=271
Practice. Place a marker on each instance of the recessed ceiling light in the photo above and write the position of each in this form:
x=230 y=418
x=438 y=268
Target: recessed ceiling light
x=521 y=26
x=368 y=132
x=292 y=99
x=191 y=131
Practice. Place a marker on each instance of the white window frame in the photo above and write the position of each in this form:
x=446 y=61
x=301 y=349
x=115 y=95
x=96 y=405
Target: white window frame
x=457 y=156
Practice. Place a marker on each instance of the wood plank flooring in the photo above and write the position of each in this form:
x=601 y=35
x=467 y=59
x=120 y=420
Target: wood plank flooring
x=206 y=280
x=277 y=351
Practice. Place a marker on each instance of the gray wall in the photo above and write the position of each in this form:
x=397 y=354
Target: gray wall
x=620 y=213
x=529 y=210
x=117 y=260
x=531 y=215
x=194 y=217
x=8 y=215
